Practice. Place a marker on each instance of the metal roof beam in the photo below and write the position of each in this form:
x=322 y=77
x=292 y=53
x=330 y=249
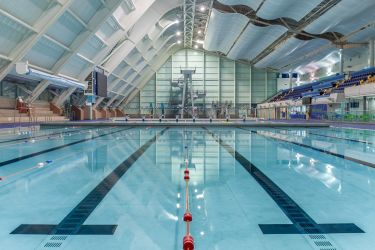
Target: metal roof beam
x=313 y=15
x=189 y=16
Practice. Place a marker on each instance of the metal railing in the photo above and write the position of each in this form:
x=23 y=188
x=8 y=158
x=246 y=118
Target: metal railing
x=199 y=112
x=339 y=112
x=351 y=116
x=22 y=119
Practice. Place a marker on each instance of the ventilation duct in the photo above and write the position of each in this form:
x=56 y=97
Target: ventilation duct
x=24 y=69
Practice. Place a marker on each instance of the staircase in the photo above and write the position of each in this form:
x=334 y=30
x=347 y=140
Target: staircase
x=41 y=112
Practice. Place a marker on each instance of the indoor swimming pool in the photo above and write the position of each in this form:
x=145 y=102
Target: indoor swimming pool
x=122 y=187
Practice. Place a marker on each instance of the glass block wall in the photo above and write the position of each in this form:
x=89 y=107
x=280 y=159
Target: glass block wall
x=223 y=81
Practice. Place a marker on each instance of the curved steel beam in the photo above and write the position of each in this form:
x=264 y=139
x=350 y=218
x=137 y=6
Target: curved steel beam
x=289 y=23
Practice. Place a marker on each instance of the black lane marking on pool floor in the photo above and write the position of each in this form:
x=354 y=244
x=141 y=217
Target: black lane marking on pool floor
x=3 y=163
x=329 y=136
x=41 y=136
x=72 y=224
x=368 y=164
x=302 y=222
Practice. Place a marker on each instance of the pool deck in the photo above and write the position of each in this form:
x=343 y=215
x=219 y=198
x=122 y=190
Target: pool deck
x=351 y=125
x=8 y=128
x=185 y=122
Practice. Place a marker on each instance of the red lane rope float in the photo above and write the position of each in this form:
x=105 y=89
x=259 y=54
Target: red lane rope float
x=188 y=241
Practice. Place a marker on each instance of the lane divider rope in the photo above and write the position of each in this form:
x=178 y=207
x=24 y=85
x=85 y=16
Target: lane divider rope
x=188 y=241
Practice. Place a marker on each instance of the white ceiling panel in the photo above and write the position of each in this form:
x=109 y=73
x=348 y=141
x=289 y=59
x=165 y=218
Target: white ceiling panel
x=364 y=35
x=66 y=29
x=284 y=50
x=294 y=9
x=140 y=65
x=344 y=10
x=121 y=67
x=254 y=4
x=92 y=47
x=300 y=51
x=223 y=29
x=254 y=40
x=324 y=58
x=74 y=67
x=45 y=53
x=86 y=9
x=11 y=33
x=26 y=10
x=118 y=86
x=108 y=28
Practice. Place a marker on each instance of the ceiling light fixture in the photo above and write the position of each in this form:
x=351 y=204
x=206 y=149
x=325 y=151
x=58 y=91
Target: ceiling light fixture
x=179 y=42
x=196 y=46
x=202 y=8
x=178 y=33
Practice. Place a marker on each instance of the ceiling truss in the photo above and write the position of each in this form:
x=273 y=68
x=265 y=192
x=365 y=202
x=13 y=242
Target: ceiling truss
x=189 y=16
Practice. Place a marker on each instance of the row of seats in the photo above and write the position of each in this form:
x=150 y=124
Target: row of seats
x=335 y=84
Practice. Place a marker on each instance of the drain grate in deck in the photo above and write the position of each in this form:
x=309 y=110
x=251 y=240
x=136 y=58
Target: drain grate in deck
x=323 y=243
x=53 y=244
x=59 y=237
x=55 y=241
x=317 y=237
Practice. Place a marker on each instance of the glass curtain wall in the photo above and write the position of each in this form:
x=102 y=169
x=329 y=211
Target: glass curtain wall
x=11 y=90
x=221 y=87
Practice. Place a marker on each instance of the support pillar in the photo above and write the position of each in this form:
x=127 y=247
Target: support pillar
x=59 y=100
x=290 y=79
x=341 y=69
x=371 y=53
x=38 y=91
x=265 y=85
x=111 y=101
x=90 y=112
x=365 y=105
x=98 y=101
x=121 y=103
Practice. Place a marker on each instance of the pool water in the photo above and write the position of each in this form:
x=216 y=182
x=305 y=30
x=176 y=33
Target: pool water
x=250 y=188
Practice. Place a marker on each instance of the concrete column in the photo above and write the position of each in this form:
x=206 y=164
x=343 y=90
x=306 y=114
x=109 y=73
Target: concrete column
x=90 y=112
x=60 y=99
x=290 y=79
x=371 y=53
x=341 y=68
x=266 y=85
x=251 y=83
x=365 y=105
x=38 y=91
